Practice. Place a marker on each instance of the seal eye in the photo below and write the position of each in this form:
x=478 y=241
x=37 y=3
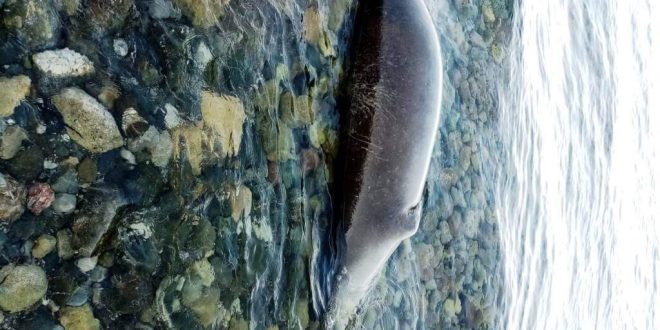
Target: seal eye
x=415 y=209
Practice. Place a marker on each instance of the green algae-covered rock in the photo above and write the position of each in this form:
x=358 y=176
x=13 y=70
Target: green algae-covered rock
x=21 y=287
x=203 y=13
x=12 y=91
x=34 y=21
x=79 y=318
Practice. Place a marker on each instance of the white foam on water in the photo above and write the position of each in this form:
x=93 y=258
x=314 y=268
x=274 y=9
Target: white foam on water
x=578 y=200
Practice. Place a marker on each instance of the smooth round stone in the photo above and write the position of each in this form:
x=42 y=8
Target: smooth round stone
x=21 y=287
x=64 y=203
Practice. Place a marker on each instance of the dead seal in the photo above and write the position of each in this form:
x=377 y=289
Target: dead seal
x=389 y=129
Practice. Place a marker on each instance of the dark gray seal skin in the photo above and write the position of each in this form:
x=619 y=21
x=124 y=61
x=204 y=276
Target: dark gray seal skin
x=388 y=135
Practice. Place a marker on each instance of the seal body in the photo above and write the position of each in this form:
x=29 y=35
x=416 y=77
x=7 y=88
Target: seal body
x=389 y=130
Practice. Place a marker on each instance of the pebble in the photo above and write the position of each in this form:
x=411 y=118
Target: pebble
x=94 y=219
x=44 y=245
x=88 y=122
x=40 y=197
x=12 y=91
x=35 y=23
x=133 y=124
x=121 y=47
x=172 y=118
x=64 y=203
x=62 y=63
x=225 y=116
x=64 y=249
x=21 y=287
x=203 y=13
x=86 y=264
x=79 y=318
x=11 y=140
x=12 y=198
x=240 y=199
x=128 y=156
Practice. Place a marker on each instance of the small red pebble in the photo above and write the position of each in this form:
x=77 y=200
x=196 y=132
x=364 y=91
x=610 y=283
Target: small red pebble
x=40 y=197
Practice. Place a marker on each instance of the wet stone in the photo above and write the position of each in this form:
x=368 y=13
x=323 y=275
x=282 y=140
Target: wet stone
x=21 y=286
x=44 y=245
x=94 y=219
x=79 y=318
x=13 y=90
x=11 y=141
x=64 y=248
x=62 y=67
x=27 y=164
x=88 y=122
x=225 y=116
x=35 y=22
x=203 y=13
x=40 y=197
x=12 y=198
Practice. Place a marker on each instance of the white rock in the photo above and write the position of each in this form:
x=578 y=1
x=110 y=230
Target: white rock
x=63 y=63
x=203 y=56
x=50 y=165
x=128 y=156
x=64 y=203
x=172 y=118
x=86 y=264
x=121 y=47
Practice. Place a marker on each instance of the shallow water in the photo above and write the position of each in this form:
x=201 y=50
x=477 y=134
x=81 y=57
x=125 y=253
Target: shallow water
x=577 y=187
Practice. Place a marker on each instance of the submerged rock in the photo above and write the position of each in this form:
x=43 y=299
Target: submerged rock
x=12 y=91
x=70 y=7
x=21 y=287
x=64 y=248
x=79 y=318
x=64 y=203
x=35 y=22
x=158 y=144
x=59 y=68
x=133 y=124
x=44 y=245
x=95 y=219
x=203 y=13
x=40 y=197
x=225 y=116
x=88 y=122
x=27 y=164
x=241 y=202
x=11 y=140
x=12 y=198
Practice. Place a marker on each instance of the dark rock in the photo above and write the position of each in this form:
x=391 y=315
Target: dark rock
x=142 y=185
x=88 y=170
x=130 y=293
x=65 y=181
x=64 y=283
x=27 y=164
x=95 y=219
